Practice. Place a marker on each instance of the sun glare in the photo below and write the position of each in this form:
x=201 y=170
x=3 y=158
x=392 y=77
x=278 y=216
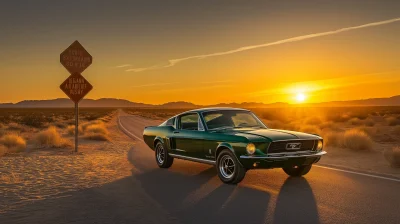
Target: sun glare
x=300 y=97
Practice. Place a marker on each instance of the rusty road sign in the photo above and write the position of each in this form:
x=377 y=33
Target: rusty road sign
x=75 y=58
x=76 y=87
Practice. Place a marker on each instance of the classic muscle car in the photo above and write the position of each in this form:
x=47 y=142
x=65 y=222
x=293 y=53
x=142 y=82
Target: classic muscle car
x=234 y=140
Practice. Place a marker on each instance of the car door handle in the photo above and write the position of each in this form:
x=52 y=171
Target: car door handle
x=175 y=132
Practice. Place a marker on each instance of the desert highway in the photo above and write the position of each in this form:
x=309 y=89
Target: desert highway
x=192 y=193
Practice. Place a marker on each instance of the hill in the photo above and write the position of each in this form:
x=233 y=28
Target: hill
x=111 y=102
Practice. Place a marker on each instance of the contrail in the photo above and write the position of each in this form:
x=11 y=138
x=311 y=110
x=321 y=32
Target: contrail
x=123 y=66
x=173 y=62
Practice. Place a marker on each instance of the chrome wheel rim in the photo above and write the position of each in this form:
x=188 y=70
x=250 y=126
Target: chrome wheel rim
x=160 y=154
x=227 y=167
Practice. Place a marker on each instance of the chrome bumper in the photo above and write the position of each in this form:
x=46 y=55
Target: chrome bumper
x=285 y=156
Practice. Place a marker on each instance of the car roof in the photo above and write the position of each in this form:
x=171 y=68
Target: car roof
x=201 y=110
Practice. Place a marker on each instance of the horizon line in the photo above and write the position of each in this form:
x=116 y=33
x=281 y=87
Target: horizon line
x=181 y=101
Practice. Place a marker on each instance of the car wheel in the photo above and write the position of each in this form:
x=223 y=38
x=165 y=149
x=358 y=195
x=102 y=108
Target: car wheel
x=297 y=171
x=229 y=170
x=162 y=158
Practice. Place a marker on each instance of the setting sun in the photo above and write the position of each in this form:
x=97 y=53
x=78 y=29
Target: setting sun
x=300 y=97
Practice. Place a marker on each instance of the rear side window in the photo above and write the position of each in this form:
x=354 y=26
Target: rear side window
x=189 y=122
x=171 y=122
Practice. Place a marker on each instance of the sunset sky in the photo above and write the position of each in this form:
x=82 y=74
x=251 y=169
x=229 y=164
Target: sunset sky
x=160 y=51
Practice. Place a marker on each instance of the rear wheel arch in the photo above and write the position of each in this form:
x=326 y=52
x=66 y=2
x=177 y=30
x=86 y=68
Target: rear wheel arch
x=157 y=140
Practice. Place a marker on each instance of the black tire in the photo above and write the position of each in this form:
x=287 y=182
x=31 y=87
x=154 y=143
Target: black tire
x=237 y=173
x=163 y=159
x=297 y=171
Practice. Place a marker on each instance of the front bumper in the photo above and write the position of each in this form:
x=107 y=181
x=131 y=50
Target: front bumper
x=279 y=160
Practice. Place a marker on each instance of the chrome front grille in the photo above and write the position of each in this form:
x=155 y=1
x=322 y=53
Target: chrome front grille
x=282 y=146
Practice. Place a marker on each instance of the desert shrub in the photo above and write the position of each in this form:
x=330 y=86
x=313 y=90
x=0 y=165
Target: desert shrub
x=96 y=131
x=361 y=115
x=310 y=129
x=60 y=124
x=396 y=130
x=97 y=128
x=338 y=117
x=71 y=130
x=313 y=121
x=333 y=139
x=355 y=121
x=33 y=121
x=2 y=131
x=369 y=122
x=97 y=136
x=393 y=156
x=371 y=131
x=13 y=142
x=329 y=126
x=357 y=140
x=83 y=126
x=3 y=150
x=16 y=127
x=273 y=124
x=393 y=121
x=51 y=138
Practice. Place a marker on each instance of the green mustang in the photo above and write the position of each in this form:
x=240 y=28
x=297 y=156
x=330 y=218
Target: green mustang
x=234 y=140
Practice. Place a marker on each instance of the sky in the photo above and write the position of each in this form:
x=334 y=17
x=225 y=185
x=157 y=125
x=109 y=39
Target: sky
x=204 y=52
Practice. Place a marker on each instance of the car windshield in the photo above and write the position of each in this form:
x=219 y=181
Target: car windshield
x=228 y=119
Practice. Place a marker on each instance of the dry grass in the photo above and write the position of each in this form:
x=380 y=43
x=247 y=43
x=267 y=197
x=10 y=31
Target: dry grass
x=96 y=131
x=97 y=137
x=313 y=121
x=311 y=129
x=333 y=139
x=352 y=139
x=97 y=128
x=355 y=121
x=357 y=140
x=393 y=156
x=87 y=124
x=396 y=130
x=3 y=150
x=336 y=118
x=71 y=130
x=51 y=138
x=393 y=121
x=369 y=122
x=13 y=142
x=16 y=127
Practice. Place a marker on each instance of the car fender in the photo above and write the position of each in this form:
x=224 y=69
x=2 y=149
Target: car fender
x=158 y=138
x=228 y=146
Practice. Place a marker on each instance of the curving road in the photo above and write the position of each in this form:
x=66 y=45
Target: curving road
x=192 y=193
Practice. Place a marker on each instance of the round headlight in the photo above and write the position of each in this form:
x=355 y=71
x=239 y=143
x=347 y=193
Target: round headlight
x=320 y=145
x=251 y=148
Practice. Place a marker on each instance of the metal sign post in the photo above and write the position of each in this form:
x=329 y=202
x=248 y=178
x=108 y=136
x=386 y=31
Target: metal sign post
x=76 y=59
x=76 y=126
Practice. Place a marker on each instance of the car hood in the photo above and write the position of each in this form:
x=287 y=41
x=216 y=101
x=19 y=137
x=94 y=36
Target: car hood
x=270 y=134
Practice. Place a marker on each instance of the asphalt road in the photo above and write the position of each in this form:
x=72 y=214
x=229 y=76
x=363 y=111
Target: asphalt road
x=191 y=192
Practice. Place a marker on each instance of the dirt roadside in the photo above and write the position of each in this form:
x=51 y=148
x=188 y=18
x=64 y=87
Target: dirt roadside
x=57 y=186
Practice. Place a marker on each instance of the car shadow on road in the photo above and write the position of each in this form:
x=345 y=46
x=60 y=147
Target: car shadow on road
x=202 y=198
x=296 y=203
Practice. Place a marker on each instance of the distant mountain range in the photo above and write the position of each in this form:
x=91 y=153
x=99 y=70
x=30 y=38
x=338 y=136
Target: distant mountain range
x=111 y=102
